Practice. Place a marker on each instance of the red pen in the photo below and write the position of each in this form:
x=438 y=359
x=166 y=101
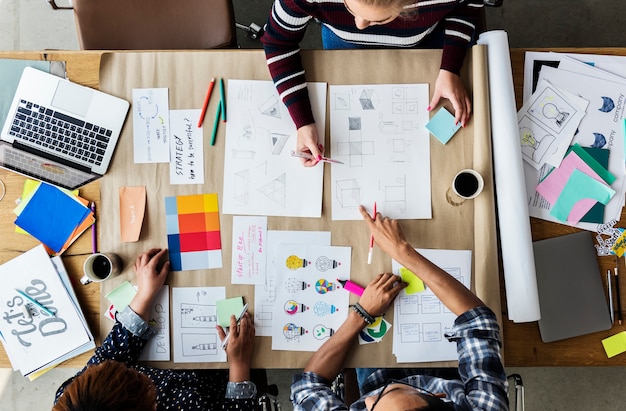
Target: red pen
x=354 y=288
x=371 y=250
x=205 y=105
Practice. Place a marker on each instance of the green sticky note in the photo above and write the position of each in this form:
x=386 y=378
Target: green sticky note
x=122 y=295
x=228 y=307
x=615 y=344
x=415 y=285
x=579 y=187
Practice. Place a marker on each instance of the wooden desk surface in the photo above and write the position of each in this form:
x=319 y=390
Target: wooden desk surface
x=523 y=343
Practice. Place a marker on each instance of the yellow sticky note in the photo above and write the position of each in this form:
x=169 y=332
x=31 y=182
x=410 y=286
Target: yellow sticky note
x=615 y=344
x=415 y=285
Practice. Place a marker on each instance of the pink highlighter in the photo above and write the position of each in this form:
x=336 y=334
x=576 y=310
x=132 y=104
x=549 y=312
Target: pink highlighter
x=354 y=288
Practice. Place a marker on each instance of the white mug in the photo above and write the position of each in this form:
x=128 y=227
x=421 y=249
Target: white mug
x=100 y=266
x=468 y=183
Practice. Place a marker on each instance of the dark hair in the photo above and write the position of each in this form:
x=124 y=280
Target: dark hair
x=110 y=385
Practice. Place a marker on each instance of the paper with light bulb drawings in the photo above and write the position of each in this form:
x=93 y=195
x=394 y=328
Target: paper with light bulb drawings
x=310 y=304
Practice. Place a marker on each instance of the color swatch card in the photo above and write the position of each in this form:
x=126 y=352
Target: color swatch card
x=193 y=232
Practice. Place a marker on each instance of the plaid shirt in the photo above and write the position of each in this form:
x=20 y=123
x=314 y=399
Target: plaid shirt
x=482 y=385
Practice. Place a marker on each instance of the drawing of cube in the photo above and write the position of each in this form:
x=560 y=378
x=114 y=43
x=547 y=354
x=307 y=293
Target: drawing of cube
x=348 y=193
x=367 y=99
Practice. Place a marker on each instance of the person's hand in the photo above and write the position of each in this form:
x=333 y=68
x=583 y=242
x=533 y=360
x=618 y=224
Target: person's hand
x=388 y=235
x=150 y=275
x=380 y=293
x=449 y=85
x=308 y=142
x=240 y=346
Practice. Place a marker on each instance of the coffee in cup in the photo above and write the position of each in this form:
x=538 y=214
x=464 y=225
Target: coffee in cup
x=467 y=184
x=100 y=266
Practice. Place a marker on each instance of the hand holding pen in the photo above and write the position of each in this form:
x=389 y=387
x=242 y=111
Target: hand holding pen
x=240 y=346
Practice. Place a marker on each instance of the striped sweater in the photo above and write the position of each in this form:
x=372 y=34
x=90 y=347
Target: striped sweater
x=288 y=20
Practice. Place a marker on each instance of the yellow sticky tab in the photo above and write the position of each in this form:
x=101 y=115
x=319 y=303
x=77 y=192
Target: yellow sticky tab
x=615 y=344
x=415 y=285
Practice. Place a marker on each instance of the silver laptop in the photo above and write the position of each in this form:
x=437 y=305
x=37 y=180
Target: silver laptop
x=60 y=132
x=571 y=295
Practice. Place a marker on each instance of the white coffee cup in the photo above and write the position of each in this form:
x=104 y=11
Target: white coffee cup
x=468 y=183
x=100 y=266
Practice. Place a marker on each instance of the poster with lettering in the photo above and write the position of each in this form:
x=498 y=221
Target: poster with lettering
x=32 y=336
x=249 y=250
x=186 y=148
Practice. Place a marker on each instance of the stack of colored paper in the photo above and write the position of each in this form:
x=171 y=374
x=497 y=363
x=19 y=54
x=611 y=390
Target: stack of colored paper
x=54 y=216
x=579 y=188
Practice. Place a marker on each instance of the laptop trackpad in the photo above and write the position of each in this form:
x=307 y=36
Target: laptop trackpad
x=73 y=98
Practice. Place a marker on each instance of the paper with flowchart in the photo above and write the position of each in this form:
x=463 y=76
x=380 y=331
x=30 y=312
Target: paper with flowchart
x=151 y=125
x=194 y=317
x=379 y=133
x=421 y=319
x=249 y=250
x=186 y=148
x=265 y=294
x=601 y=127
x=260 y=175
x=310 y=306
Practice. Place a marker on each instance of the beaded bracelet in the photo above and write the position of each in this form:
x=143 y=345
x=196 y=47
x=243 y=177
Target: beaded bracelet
x=367 y=317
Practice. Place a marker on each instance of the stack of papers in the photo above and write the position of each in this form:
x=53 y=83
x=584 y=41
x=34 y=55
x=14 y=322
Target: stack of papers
x=572 y=140
x=33 y=339
x=54 y=216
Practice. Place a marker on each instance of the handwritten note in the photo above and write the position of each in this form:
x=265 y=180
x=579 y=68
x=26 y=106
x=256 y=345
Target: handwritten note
x=249 y=250
x=151 y=125
x=186 y=148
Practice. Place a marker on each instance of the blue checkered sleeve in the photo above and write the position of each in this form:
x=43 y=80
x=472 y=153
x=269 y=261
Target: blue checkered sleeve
x=311 y=392
x=477 y=335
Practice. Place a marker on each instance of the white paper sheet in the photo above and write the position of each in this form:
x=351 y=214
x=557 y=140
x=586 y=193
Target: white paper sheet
x=158 y=347
x=194 y=317
x=309 y=306
x=420 y=319
x=186 y=148
x=260 y=175
x=249 y=250
x=516 y=241
x=534 y=60
x=379 y=132
x=547 y=123
x=151 y=125
x=265 y=295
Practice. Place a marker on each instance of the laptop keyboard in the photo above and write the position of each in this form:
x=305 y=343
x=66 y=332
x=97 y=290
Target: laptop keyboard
x=60 y=133
x=25 y=164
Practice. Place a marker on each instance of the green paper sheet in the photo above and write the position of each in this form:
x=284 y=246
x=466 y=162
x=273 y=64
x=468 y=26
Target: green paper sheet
x=226 y=308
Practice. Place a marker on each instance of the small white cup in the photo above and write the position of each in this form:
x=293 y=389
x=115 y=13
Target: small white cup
x=100 y=266
x=467 y=184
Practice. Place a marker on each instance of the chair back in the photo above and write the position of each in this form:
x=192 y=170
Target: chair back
x=154 y=24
